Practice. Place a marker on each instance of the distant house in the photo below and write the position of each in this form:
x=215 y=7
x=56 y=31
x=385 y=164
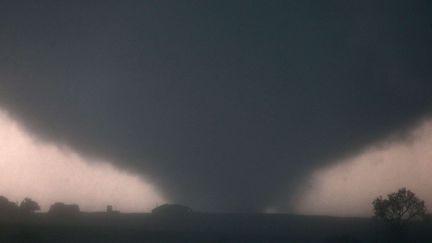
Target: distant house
x=62 y=209
x=172 y=209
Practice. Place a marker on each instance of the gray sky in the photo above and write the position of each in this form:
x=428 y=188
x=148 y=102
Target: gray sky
x=221 y=105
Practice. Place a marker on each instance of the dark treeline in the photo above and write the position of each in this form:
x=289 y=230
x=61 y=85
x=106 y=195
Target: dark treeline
x=28 y=206
x=8 y=208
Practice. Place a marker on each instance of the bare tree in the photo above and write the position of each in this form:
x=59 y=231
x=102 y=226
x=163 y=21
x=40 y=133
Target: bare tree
x=399 y=208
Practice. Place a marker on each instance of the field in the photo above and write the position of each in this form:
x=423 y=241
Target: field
x=203 y=227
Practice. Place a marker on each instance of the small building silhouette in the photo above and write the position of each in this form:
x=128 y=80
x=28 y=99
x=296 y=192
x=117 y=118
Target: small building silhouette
x=109 y=210
x=63 y=209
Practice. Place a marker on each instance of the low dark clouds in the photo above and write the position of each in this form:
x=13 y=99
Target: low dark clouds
x=225 y=106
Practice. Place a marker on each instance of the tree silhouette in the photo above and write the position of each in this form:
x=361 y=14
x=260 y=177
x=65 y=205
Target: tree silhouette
x=7 y=208
x=399 y=208
x=29 y=206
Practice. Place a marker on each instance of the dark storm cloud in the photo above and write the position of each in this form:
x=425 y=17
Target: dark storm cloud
x=224 y=106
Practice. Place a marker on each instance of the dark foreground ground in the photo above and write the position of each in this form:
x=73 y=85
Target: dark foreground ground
x=199 y=227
